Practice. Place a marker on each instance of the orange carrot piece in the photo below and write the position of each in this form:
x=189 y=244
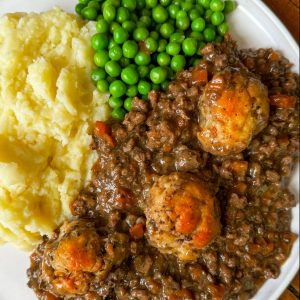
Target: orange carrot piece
x=283 y=101
x=200 y=76
x=102 y=130
x=137 y=231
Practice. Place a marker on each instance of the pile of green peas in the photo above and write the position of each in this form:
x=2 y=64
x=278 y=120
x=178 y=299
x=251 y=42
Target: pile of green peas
x=140 y=45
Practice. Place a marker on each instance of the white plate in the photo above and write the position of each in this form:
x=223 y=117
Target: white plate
x=253 y=25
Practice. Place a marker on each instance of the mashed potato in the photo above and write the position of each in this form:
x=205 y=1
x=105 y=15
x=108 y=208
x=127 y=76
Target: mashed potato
x=47 y=107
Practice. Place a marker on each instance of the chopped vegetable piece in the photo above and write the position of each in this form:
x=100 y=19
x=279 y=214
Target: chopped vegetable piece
x=283 y=101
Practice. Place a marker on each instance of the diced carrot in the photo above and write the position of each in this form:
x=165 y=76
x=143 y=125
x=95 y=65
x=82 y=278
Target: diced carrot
x=283 y=141
x=124 y=199
x=137 y=231
x=239 y=167
x=283 y=101
x=239 y=188
x=102 y=131
x=200 y=76
x=274 y=56
x=183 y=294
x=217 y=291
x=48 y=296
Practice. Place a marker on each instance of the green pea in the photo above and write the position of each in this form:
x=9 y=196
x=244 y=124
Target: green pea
x=151 y=3
x=158 y=75
x=122 y=14
x=132 y=91
x=173 y=48
x=201 y=46
x=134 y=17
x=146 y=12
x=115 y=102
x=151 y=44
x=229 y=6
x=79 y=7
x=217 y=18
x=124 y=62
x=109 y=13
x=216 y=5
x=130 y=4
x=89 y=13
x=163 y=59
x=173 y=9
x=177 y=37
x=204 y=3
x=219 y=39
x=118 y=113
x=143 y=71
x=130 y=49
x=94 y=4
x=189 y=46
x=101 y=58
x=181 y=14
x=159 y=14
x=223 y=28
x=115 y=3
x=129 y=26
x=145 y=21
x=112 y=68
x=120 y=35
x=110 y=79
x=186 y=6
x=165 y=85
x=130 y=75
x=99 y=41
x=165 y=2
x=128 y=104
x=98 y=74
x=162 y=44
x=154 y=35
x=142 y=59
x=140 y=34
x=84 y=2
x=197 y=35
x=144 y=87
x=115 y=53
x=117 y=88
x=140 y=4
x=183 y=23
x=102 y=26
x=111 y=44
x=209 y=34
x=166 y=30
x=113 y=26
x=102 y=86
x=155 y=87
x=171 y=73
x=208 y=15
x=178 y=63
x=198 y=25
x=196 y=62
x=194 y=14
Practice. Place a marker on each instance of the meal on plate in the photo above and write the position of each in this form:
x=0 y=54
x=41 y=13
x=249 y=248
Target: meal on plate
x=182 y=191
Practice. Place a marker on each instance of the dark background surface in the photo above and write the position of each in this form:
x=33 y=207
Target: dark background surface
x=288 y=12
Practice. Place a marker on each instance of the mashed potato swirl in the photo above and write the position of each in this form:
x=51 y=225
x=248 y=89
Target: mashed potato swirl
x=47 y=107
